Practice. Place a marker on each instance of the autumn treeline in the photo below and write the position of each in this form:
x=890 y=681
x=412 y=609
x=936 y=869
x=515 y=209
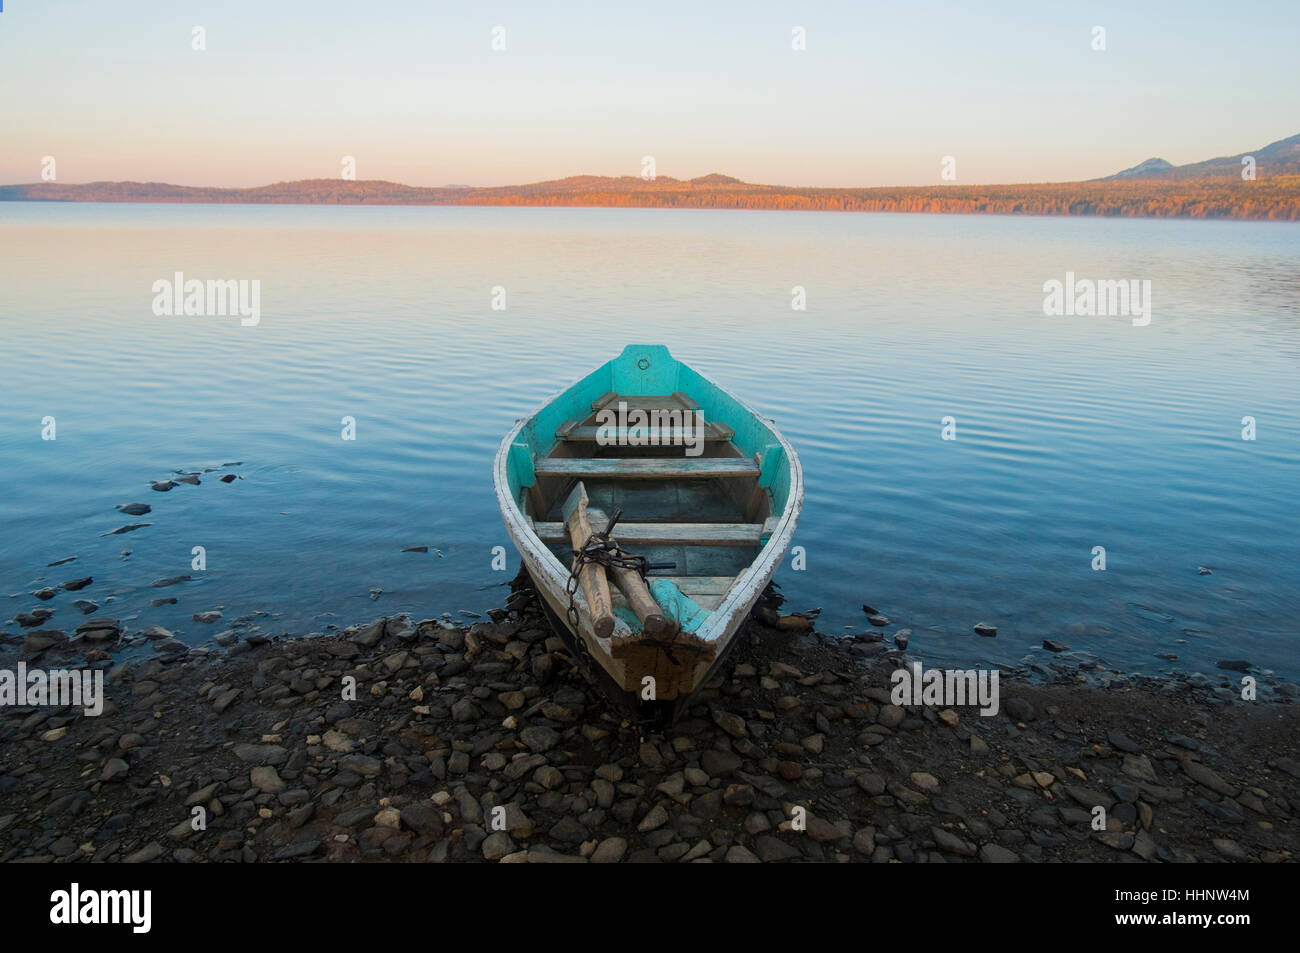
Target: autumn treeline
x=1270 y=198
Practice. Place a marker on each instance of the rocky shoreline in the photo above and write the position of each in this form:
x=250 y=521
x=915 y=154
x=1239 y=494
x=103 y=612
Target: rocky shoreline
x=484 y=742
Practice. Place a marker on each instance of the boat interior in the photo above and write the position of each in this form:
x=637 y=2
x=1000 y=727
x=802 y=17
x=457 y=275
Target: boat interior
x=700 y=519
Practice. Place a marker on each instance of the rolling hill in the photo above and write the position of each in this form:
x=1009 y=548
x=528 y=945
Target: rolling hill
x=1155 y=188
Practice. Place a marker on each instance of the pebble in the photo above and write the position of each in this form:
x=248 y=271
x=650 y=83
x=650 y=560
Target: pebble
x=794 y=623
x=655 y=818
x=891 y=716
x=732 y=724
x=1019 y=709
x=1122 y=742
x=1229 y=848
x=924 y=781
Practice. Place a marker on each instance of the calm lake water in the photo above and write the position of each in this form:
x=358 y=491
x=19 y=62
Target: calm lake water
x=1072 y=432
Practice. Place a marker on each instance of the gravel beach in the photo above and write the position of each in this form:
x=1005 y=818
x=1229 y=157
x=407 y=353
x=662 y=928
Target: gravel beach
x=483 y=742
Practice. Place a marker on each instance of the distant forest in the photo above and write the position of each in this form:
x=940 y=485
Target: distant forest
x=1270 y=197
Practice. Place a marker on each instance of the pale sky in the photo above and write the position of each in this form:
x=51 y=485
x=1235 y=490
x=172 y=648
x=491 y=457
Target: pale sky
x=416 y=93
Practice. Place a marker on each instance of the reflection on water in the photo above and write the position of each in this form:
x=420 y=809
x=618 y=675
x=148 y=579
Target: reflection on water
x=1072 y=433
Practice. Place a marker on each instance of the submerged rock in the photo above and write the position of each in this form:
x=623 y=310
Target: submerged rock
x=170 y=581
x=99 y=630
x=34 y=618
x=134 y=509
x=129 y=528
x=42 y=639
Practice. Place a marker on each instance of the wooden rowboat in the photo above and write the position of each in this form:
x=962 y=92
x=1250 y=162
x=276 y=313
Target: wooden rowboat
x=702 y=487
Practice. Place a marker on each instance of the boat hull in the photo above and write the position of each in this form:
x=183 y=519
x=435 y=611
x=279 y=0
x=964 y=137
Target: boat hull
x=643 y=671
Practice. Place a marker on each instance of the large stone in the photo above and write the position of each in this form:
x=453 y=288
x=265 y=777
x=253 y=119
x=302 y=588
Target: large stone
x=266 y=779
x=720 y=764
x=1139 y=766
x=261 y=754
x=42 y=639
x=654 y=819
x=732 y=724
x=1207 y=777
x=997 y=854
x=369 y=635
x=609 y=851
x=771 y=848
x=497 y=845
x=361 y=764
x=539 y=738
x=950 y=842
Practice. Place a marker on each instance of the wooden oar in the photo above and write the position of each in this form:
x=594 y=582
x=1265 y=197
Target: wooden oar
x=594 y=584
x=635 y=590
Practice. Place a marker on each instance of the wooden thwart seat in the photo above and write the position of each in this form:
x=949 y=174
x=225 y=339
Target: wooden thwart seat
x=668 y=534
x=624 y=435
x=674 y=401
x=646 y=468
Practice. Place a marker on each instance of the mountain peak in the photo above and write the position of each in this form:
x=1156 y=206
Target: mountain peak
x=1277 y=158
x=1149 y=167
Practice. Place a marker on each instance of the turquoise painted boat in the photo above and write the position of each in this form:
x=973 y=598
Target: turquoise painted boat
x=704 y=495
